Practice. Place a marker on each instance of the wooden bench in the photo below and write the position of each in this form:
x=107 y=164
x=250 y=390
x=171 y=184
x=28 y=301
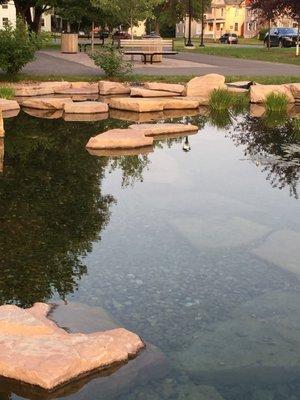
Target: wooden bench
x=149 y=54
x=138 y=43
x=150 y=49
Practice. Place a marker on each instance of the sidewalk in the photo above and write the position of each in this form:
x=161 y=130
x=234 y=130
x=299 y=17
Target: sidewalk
x=56 y=63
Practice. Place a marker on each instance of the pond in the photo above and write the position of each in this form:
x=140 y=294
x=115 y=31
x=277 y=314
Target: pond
x=194 y=246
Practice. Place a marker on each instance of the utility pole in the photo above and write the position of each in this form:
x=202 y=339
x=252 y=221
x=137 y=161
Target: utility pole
x=189 y=42
x=202 y=24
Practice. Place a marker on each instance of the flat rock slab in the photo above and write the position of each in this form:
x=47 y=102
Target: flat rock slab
x=46 y=103
x=258 y=343
x=219 y=233
x=166 y=87
x=86 y=107
x=44 y=114
x=259 y=93
x=165 y=129
x=85 y=117
x=39 y=89
x=120 y=139
x=35 y=350
x=86 y=90
x=8 y=105
x=141 y=92
x=120 y=152
x=108 y=88
x=282 y=249
x=150 y=105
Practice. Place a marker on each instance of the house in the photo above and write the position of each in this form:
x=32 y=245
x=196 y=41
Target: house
x=224 y=16
x=8 y=14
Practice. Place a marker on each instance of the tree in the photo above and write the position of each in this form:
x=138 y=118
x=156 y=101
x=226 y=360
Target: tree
x=269 y=10
x=31 y=11
x=129 y=12
x=169 y=12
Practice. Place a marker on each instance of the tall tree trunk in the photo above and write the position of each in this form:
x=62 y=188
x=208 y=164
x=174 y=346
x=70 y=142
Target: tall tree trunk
x=269 y=37
x=131 y=25
x=298 y=39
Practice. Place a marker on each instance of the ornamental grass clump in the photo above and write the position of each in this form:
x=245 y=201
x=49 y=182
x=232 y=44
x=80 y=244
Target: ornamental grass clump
x=6 y=93
x=276 y=102
x=112 y=61
x=223 y=99
x=220 y=99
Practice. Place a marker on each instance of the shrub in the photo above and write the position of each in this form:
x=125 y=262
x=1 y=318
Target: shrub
x=276 y=102
x=6 y=93
x=111 y=60
x=17 y=47
x=262 y=33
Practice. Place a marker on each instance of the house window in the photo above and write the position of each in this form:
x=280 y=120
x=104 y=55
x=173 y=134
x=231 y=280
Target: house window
x=210 y=27
x=42 y=22
x=236 y=26
x=5 y=5
x=222 y=12
x=4 y=21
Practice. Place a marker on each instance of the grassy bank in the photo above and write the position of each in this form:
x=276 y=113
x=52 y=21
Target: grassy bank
x=145 y=78
x=275 y=54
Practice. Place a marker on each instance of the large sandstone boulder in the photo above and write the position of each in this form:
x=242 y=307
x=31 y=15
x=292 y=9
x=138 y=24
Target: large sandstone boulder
x=150 y=105
x=107 y=88
x=85 y=107
x=259 y=93
x=202 y=86
x=295 y=89
x=8 y=105
x=46 y=103
x=166 y=87
x=141 y=92
x=120 y=139
x=165 y=129
x=35 y=350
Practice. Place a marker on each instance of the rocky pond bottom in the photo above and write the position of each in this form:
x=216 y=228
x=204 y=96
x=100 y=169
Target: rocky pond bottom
x=192 y=245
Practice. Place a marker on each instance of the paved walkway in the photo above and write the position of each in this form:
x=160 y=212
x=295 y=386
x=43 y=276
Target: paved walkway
x=56 y=63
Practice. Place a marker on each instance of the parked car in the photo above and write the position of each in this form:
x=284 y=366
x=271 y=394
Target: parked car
x=103 y=34
x=121 y=35
x=229 y=38
x=281 y=37
x=151 y=35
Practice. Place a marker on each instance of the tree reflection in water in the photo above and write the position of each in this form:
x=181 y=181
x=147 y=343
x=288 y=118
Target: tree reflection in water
x=273 y=143
x=51 y=208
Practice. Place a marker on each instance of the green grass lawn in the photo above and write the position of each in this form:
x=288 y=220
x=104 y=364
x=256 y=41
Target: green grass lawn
x=275 y=54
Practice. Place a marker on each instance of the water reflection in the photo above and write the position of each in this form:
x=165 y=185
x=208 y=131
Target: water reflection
x=272 y=142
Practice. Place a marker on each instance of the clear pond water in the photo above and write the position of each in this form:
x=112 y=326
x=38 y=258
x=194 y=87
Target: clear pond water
x=197 y=252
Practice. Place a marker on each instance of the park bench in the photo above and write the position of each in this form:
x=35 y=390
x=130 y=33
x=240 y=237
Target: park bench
x=147 y=48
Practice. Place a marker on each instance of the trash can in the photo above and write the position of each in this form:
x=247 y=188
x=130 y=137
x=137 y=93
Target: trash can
x=155 y=44
x=69 y=43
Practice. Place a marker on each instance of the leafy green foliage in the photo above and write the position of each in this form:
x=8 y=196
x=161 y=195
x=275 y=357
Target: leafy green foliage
x=17 y=47
x=6 y=93
x=276 y=102
x=112 y=61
